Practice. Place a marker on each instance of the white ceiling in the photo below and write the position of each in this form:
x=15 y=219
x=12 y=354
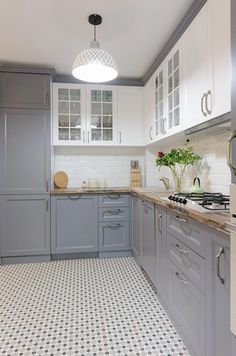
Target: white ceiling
x=52 y=32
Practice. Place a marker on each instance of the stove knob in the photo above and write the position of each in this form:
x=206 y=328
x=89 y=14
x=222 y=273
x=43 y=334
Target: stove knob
x=180 y=200
x=184 y=201
x=170 y=197
x=175 y=199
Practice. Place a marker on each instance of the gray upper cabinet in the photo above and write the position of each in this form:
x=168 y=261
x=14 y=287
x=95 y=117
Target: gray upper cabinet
x=25 y=225
x=136 y=227
x=28 y=91
x=222 y=341
x=74 y=224
x=148 y=246
x=24 y=151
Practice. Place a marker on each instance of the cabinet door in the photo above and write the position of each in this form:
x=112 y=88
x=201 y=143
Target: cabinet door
x=114 y=236
x=222 y=339
x=69 y=114
x=25 y=225
x=160 y=94
x=24 y=151
x=130 y=115
x=149 y=111
x=219 y=96
x=195 y=69
x=74 y=222
x=187 y=304
x=101 y=113
x=148 y=248
x=136 y=227
x=28 y=91
x=161 y=251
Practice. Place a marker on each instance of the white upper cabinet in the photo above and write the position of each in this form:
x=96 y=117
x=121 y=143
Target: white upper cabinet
x=84 y=115
x=207 y=64
x=130 y=115
x=163 y=98
x=101 y=115
x=68 y=114
x=149 y=111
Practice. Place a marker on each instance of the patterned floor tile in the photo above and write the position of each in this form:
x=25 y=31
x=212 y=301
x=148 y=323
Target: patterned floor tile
x=83 y=307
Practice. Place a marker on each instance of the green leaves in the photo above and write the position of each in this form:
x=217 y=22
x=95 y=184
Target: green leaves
x=182 y=156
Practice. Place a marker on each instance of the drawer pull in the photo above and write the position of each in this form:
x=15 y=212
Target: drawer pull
x=114 y=196
x=73 y=197
x=181 y=279
x=113 y=212
x=181 y=250
x=221 y=252
x=117 y=226
x=181 y=219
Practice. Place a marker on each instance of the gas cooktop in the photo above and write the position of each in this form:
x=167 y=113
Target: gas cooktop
x=203 y=202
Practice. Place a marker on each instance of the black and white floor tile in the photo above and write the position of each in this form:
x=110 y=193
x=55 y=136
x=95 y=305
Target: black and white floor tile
x=83 y=307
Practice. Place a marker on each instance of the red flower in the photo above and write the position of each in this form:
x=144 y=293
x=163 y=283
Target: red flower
x=160 y=154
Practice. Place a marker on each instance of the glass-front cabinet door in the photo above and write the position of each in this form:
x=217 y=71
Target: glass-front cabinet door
x=159 y=124
x=101 y=115
x=69 y=114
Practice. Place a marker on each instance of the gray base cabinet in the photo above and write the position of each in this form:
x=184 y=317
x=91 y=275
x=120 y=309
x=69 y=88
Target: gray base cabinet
x=222 y=340
x=74 y=224
x=25 y=225
x=148 y=245
x=161 y=251
x=136 y=227
x=114 y=224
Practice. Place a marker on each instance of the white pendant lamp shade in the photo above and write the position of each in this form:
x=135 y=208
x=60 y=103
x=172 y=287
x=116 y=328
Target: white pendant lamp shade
x=94 y=64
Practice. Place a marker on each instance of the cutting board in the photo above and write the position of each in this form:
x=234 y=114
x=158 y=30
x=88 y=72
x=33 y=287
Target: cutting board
x=60 y=179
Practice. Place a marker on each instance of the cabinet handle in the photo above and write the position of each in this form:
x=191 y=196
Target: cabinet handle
x=181 y=279
x=181 y=250
x=47 y=205
x=115 y=226
x=113 y=212
x=119 y=136
x=220 y=253
x=114 y=196
x=209 y=94
x=47 y=185
x=229 y=154
x=159 y=221
x=150 y=133
x=181 y=219
x=47 y=99
x=83 y=137
x=204 y=98
x=73 y=197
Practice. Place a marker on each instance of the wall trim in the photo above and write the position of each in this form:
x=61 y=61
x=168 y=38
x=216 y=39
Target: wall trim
x=24 y=69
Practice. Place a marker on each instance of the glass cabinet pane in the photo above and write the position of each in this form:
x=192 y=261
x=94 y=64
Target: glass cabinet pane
x=161 y=94
x=63 y=94
x=107 y=135
x=176 y=60
x=161 y=77
x=75 y=94
x=176 y=97
x=63 y=107
x=75 y=121
x=63 y=120
x=96 y=109
x=96 y=95
x=63 y=134
x=176 y=78
x=107 y=109
x=170 y=66
x=96 y=135
x=156 y=83
x=170 y=87
x=176 y=117
x=107 y=121
x=75 y=134
x=74 y=107
x=107 y=96
x=96 y=122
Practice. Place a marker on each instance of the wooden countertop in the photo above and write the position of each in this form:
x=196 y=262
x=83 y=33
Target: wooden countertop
x=217 y=221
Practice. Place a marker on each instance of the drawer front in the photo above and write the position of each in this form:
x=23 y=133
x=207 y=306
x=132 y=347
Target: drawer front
x=114 y=236
x=113 y=214
x=187 y=260
x=187 y=305
x=113 y=200
x=190 y=233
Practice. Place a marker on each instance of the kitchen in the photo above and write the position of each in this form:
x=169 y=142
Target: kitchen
x=117 y=207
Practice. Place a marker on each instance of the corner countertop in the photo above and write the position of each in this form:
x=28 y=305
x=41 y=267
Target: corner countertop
x=217 y=221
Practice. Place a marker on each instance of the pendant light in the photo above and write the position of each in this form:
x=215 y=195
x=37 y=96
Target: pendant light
x=94 y=64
